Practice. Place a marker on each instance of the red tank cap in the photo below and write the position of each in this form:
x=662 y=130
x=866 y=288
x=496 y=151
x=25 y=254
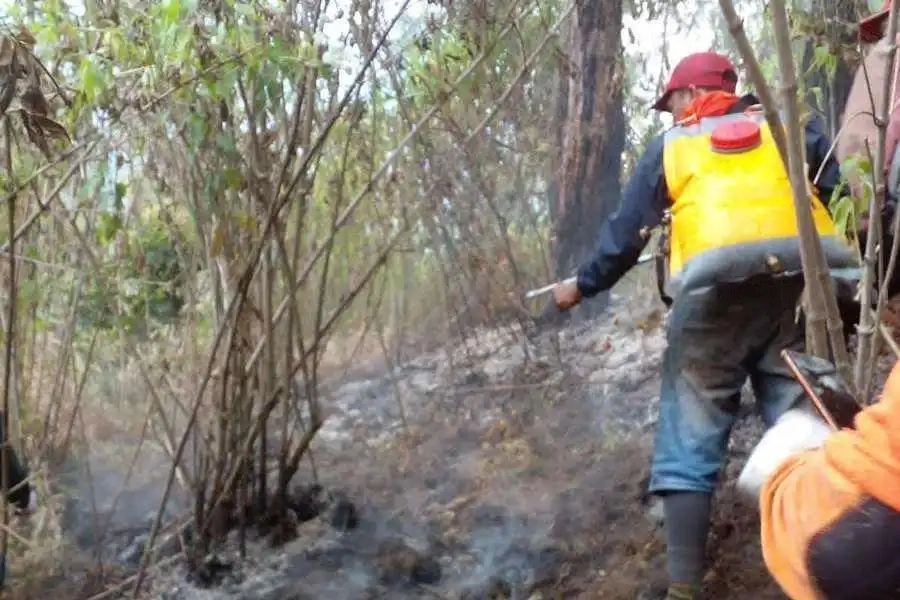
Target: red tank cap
x=735 y=136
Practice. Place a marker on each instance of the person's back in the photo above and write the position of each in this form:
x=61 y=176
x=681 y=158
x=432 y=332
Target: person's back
x=733 y=213
x=737 y=278
x=735 y=281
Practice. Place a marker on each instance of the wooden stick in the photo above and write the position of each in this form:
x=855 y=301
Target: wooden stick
x=817 y=402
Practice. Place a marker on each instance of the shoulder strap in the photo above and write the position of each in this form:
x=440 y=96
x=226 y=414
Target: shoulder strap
x=661 y=259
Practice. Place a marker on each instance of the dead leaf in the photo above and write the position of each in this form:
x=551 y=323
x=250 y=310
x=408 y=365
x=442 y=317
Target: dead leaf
x=40 y=128
x=23 y=62
x=34 y=102
x=50 y=127
x=268 y=138
x=35 y=134
x=7 y=88
x=25 y=37
x=8 y=49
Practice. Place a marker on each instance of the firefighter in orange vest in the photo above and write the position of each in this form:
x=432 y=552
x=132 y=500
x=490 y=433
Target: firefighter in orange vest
x=734 y=280
x=830 y=501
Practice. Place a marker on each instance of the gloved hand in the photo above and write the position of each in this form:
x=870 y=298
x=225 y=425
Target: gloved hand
x=800 y=428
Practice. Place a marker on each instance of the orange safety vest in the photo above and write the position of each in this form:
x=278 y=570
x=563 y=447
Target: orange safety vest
x=732 y=213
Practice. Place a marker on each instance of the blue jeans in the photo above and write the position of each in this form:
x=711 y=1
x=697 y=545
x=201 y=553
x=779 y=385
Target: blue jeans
x=716 y=340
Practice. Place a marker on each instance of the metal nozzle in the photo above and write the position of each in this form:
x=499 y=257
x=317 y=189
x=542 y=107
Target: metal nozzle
x=532 y=294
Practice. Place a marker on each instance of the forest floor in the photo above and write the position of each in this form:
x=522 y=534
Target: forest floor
x=493 y=470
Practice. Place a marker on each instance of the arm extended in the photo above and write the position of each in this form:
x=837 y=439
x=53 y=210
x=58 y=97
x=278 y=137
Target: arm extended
x=620 y=243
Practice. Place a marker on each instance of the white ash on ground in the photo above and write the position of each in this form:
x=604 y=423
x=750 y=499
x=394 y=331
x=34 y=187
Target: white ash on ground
x=520 y=472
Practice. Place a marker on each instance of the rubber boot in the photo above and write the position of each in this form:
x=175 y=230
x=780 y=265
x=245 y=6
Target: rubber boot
x=683 y=591
x=687 y=527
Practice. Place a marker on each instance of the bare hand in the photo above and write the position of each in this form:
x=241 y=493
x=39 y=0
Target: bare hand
x=566 y=295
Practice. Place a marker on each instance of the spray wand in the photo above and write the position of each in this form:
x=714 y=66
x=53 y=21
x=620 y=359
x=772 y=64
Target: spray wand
x=541 y=291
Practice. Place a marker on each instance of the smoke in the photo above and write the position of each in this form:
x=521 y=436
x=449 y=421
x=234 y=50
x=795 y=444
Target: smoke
x=512 y=557
x=483 y=494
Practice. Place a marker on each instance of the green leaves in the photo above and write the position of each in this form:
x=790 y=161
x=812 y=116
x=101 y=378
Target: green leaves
x=843 y=211
x=224 y=83
x=171 y=78
x=141 y=278
x=246 y=10
x=170 y=11
x=438 y=60
x=108 y=225
x=824 y=58
x=92 y=79
x=234 y=179
x=848 y=205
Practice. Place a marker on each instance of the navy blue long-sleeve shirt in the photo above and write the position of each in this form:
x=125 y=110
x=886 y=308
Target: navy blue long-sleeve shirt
x=646 y=197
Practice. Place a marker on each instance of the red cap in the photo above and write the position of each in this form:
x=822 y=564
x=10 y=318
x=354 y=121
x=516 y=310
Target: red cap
x=871 y=28
x=705 y=70
x=734 y=136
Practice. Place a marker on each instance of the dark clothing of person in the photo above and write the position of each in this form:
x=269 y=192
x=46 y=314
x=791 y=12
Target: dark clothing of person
x=716 y=341
x=864 y=540
x=848 y=304
x=20 y=489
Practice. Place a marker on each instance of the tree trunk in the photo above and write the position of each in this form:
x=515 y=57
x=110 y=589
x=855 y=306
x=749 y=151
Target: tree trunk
x=588 y=187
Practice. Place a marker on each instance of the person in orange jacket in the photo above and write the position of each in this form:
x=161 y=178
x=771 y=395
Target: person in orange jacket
x=830 y=501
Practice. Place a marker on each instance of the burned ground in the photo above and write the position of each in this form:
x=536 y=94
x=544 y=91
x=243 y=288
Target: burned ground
x=518 y=474
x=495 y=469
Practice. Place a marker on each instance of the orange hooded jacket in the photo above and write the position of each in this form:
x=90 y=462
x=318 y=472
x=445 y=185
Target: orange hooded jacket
x=833 y=491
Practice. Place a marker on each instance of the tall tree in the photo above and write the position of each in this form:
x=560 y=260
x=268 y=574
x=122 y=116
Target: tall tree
x=592 y=135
